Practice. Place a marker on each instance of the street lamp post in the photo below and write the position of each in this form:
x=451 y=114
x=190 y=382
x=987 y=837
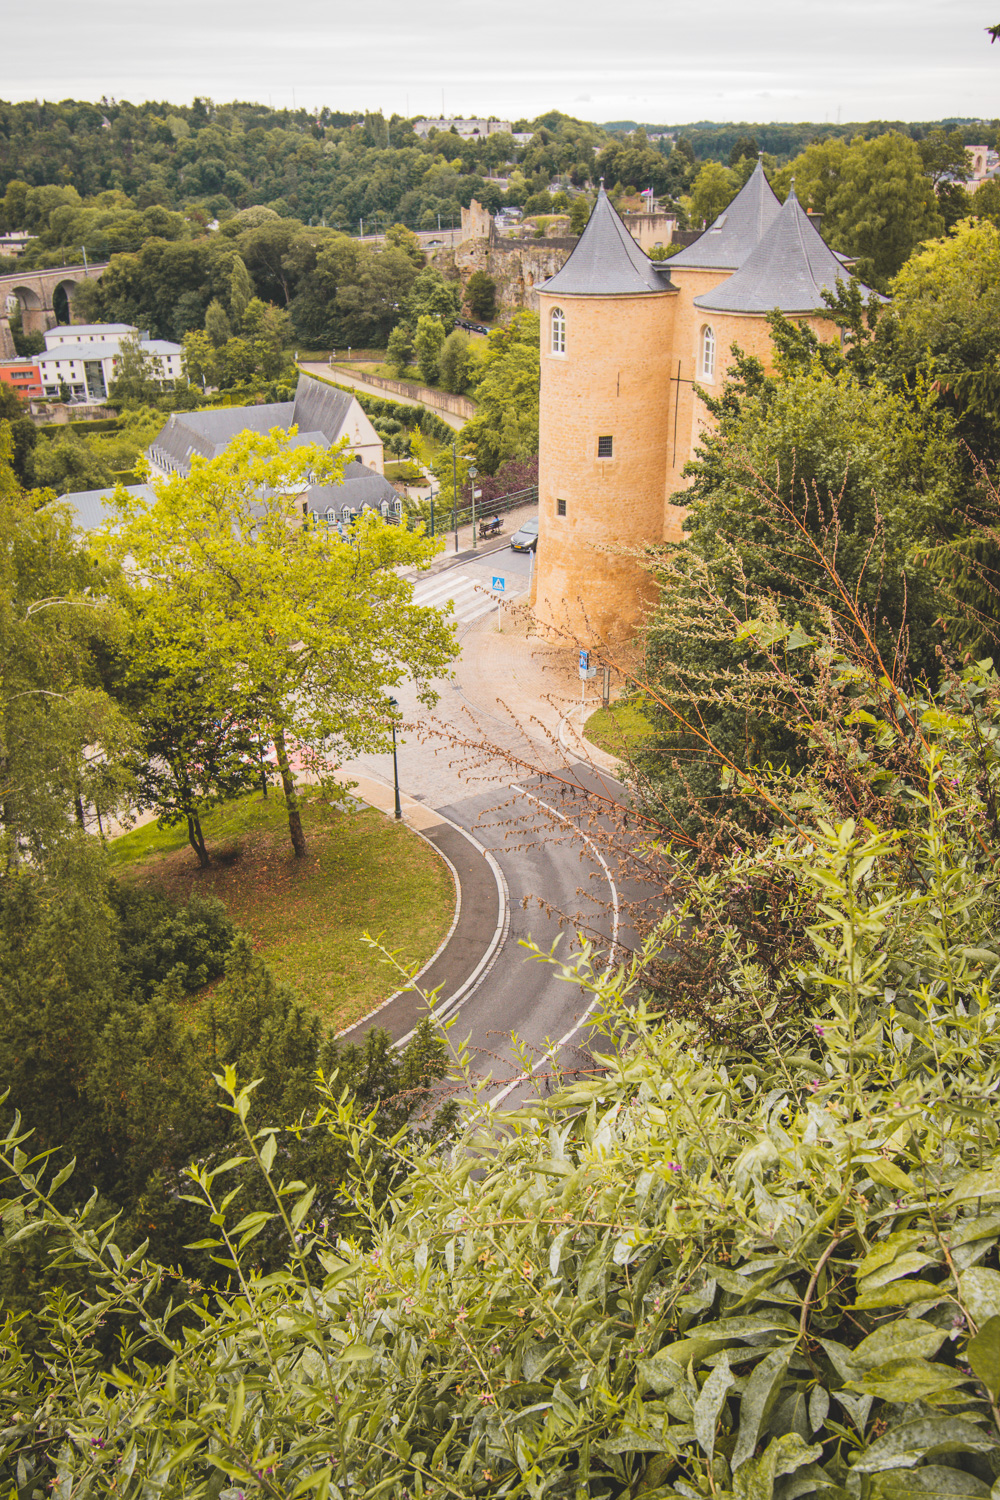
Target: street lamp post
x=395 y=764
x=454 y=489
x=472 y=495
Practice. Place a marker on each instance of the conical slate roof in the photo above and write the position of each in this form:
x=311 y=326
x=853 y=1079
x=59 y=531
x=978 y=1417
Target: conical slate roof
x=790 y=269
x=735 y=234
x=607 y=262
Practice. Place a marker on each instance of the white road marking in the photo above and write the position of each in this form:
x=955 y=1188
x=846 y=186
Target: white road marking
x=564 y=1040
x=468 y=595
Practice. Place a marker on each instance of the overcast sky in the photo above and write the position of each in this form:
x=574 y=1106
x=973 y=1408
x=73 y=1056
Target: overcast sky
x=648 y=60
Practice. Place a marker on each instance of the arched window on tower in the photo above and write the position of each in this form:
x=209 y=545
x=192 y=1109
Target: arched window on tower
x=707 y=353
x=558 y=324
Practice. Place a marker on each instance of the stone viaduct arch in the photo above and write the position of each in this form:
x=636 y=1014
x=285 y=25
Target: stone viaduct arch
x=45 y=296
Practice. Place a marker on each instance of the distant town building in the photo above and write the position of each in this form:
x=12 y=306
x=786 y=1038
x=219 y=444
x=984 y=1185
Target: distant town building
x=14 y=243
x=84 y=356
x=75 y=333
x=984 y=163
x=469 y=130
x=23 y=376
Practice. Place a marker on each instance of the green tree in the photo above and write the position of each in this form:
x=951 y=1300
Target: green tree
x=61 y=737
x=401 y=238
x=506 y=422
x=194 y=751
x=801 y=475
x=432 y=296
x=579 y=214
x=884 y=206
x=139 y=377
x=217 y=324
x=309 y=634
x=400 y=348
x=745 y=146
x=241 y=290
x=428 y=341
x=481 y=295
x=200 y=358
x=455 y=363
x=713 y=190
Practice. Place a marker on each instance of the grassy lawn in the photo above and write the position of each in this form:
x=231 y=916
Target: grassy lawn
x=404 y=470
x=618 y=730
x=363 y=873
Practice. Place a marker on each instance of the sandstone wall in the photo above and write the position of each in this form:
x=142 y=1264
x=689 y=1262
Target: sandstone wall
x=613 y=381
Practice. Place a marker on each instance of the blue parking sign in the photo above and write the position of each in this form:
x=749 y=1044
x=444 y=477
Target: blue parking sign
x=584 y=661
x=499 y=585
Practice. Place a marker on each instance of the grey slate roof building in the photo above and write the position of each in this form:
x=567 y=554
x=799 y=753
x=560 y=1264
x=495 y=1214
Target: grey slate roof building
x=607 y=262
x=362 y=486
x=790 y=268
x=735 y=234
x=319 y=411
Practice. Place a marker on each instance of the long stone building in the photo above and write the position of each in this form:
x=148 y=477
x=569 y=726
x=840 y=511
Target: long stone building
x=624 y=342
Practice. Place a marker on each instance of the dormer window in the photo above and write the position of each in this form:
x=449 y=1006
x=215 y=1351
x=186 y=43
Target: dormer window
x=707 y=353
x=557 y=324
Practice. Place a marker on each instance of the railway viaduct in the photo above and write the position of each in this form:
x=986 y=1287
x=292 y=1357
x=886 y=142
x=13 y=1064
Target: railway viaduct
x=45 y=298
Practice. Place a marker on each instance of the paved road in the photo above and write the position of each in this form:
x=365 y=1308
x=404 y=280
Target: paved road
x=486 y=759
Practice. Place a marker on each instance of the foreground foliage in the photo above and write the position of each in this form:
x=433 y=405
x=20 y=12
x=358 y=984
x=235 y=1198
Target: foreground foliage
x=746 y=1265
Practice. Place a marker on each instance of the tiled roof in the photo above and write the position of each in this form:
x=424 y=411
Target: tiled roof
x=790 y=269
x=607 y=262
x=737 y=231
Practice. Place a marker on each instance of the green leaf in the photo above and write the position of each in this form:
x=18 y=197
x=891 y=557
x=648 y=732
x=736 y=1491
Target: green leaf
x=886 y=1251
x=905 y=1338
x=901 y=1294
x=705 y=1417
x=902 y=1380
x=356 y=1351
x=900 y=1265
x=759 y=1396
x=906 y=1444
x=981 y=1184
x=268 y=1152
x=933 y=1481
x=979 y=1289
x=236 y=1420
x=755 y=1480
x=302 y=1207
x=983 y=1354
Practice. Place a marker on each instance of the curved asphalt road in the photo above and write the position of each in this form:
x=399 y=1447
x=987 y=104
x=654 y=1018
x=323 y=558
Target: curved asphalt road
x=556 y=879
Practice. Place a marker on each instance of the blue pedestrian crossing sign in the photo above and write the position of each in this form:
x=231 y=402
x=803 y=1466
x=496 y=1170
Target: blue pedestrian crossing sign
x=499 y=585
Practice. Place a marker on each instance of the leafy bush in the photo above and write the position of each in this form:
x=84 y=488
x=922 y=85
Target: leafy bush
x=764 y=1265
x=160 y=940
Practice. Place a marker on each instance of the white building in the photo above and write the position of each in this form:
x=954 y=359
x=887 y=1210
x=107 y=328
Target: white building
x=469 y=130
x=76 y=333
x=84 y=356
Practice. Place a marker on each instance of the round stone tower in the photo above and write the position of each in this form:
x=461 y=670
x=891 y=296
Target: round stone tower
x=607 y=337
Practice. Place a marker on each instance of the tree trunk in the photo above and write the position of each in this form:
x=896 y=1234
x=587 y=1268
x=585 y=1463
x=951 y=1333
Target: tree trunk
x=197 y=840
x=291 y=795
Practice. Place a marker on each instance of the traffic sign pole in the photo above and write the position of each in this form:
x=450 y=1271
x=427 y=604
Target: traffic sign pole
x=499 y=587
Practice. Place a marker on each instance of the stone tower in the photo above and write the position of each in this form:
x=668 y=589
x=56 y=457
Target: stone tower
x=607 y=320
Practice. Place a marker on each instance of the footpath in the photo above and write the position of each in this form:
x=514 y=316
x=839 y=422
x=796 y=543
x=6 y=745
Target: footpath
x=358 y=383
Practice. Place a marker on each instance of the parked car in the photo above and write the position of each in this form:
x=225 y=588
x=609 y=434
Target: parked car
x=525 y=538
